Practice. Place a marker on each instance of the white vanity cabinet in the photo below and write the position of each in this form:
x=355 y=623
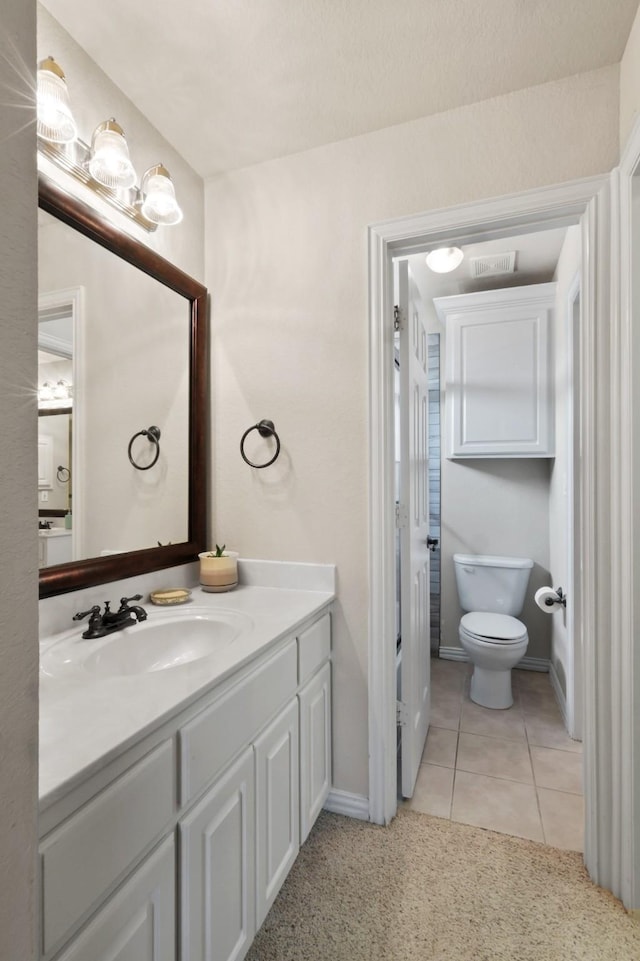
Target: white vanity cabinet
x=498 y=375
x=231 y=785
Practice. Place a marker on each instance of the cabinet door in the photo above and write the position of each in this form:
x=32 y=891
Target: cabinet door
x=315 y=748
x=138 y=922
x=498 y=386
x=277 y=804
x=217 y=854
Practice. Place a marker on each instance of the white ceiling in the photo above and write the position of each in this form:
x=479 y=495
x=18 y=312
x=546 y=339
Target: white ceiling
x=536 y=260
x=235 y=82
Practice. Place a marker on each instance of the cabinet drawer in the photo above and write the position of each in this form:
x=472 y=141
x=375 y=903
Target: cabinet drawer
x=93 y=849
x=211 y=739
x=314 y=647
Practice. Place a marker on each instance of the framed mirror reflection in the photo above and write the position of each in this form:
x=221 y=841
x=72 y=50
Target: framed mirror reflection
x=121 y=349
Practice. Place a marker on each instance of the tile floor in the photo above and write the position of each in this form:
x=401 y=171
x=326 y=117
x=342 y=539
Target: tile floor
x=514 y=771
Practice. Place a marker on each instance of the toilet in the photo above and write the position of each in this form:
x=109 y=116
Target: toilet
x=492 y=591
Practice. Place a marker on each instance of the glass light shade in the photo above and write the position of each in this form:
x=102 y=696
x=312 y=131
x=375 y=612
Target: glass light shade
x=159 y=204
x=444 y=259
x=110 y=163
x=55 y=120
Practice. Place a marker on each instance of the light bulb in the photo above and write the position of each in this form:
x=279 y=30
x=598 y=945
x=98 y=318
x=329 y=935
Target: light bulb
x=110 y=163
x=55 y=120
x=444 y=259
x=159 y=204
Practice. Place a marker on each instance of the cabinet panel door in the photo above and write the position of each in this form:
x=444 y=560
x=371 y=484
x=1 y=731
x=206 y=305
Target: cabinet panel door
x=315 y=748
x=138 y=922
x=277 y=803
x=217 y=854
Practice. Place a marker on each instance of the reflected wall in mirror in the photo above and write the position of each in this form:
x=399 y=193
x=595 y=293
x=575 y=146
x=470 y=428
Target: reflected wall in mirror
x=122 y=332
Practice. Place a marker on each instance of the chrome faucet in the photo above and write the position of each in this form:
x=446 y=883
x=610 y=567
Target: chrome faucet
x=101 y=624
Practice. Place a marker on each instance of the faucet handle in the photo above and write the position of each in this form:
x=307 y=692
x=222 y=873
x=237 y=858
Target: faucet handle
x=125 y=600
x=94 y=611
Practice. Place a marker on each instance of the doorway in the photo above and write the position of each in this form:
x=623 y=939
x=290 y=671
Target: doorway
x=585 y=203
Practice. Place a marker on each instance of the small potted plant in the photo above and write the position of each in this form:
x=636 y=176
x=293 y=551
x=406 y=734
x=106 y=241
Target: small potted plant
x=218 y=570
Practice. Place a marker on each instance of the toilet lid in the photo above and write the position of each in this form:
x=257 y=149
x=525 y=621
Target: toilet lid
x=497 y=627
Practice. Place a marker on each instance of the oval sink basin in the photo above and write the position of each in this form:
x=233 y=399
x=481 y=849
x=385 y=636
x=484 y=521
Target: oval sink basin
x=162 y=642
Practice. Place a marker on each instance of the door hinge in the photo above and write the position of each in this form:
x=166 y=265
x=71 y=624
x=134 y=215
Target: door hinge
x=396 y=318
x=402 y=516
x=402 y=714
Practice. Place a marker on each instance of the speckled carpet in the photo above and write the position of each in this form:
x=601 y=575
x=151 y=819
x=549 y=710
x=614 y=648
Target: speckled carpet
x=427 y=889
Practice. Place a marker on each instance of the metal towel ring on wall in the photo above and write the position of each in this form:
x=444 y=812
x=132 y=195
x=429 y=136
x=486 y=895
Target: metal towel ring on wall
x=63 y=474
x=266 y=429
x=153 y=433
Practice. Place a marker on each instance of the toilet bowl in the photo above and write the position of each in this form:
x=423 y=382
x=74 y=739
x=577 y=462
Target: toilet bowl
x=492 y=591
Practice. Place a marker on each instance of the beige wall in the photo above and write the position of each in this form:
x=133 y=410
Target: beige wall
x=95 y=98
x=286 y=246
x=18 y=482
x=630 y=83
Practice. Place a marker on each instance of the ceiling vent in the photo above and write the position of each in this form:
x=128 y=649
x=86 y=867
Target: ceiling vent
x=493 y=264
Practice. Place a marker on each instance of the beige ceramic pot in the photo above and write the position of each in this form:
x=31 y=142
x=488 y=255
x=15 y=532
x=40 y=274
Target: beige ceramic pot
x=218 y=574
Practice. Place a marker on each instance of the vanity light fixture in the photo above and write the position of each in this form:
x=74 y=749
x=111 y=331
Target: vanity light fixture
x=110 y=163
x=55 y=395
x=105 y=166
x=55 y=121
x=159 y=204
x=444 y=259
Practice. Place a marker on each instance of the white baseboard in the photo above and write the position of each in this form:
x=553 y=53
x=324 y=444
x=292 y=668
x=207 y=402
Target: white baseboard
x=351 y=805
x=559 y=693
x=525 y=664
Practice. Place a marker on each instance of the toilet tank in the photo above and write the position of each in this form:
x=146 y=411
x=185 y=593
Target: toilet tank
x=488 y=583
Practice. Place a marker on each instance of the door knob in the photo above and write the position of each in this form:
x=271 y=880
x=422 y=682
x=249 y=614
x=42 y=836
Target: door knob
x=432 y=542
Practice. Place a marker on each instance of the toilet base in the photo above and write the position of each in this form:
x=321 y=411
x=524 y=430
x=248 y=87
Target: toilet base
x=491 y=688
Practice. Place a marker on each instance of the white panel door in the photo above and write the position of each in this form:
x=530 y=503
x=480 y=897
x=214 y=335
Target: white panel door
x=217 y=855
x=315 y=748
x=414 y=528
x=277 y=806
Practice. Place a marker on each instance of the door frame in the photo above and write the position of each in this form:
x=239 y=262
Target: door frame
x=586 y=201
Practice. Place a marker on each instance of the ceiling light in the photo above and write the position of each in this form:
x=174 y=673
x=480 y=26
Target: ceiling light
x=110 y=163
x=444 y=259
x=55 y=120
x=159 y=204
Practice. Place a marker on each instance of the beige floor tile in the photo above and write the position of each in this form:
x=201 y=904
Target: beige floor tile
x=562 y=819
x=505 y=806
x=492 y=723
x=531 y=680
x=557 y=770
x=445 y=709
x=433 y=791
x=539 y=702
x=447 y=675
x=494 y=756
x=440 y=747
x=547 y=730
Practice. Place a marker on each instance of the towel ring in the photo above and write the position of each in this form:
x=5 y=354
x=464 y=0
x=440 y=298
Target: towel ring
x=153 y=433
x=63 y=474
x=266 y=429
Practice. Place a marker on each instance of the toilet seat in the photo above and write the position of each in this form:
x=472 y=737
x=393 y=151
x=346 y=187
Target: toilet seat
x=489 y=628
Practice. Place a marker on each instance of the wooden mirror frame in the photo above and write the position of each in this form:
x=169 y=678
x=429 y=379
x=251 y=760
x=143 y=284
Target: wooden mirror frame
x=62 y=578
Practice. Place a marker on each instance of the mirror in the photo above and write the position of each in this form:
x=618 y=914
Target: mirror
x=122 y=349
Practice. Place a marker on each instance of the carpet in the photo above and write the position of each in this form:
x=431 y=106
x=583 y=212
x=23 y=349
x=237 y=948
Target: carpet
x=428 y=889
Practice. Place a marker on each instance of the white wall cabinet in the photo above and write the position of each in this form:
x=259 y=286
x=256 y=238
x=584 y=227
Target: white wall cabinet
x=498 y=382
x=232 y=779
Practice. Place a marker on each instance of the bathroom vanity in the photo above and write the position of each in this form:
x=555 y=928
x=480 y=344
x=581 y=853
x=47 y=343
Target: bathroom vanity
x=174 y=799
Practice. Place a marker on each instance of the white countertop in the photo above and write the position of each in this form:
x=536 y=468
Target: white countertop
x=87 y=720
